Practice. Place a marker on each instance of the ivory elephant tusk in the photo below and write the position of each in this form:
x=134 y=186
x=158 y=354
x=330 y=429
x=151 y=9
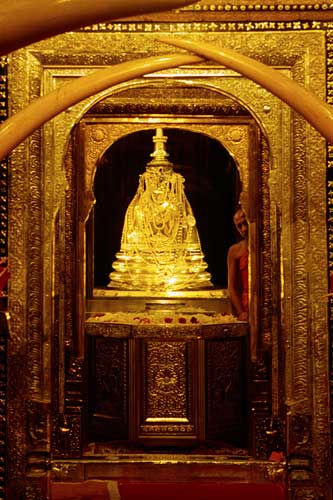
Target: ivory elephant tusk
x=26 y=21
x=317 y=112
x=16 y=128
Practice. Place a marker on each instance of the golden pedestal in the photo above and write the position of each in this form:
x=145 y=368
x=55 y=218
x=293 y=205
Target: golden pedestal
x=177 y=384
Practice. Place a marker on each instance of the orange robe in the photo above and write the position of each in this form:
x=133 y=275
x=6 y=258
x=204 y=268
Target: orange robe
x=244 y=276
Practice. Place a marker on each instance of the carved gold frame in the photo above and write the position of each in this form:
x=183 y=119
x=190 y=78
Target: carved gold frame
x=98 y=134
x=40 y=244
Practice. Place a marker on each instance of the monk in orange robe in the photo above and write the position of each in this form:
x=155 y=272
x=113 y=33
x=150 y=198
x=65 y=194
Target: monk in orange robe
x=238 y=269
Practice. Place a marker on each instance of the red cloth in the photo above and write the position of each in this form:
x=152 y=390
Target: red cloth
x=244 y=276
x=4 y=276
x=194 y=490
x=201 y=491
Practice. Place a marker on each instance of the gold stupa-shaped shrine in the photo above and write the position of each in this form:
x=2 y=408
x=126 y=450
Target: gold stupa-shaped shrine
x=160 y=246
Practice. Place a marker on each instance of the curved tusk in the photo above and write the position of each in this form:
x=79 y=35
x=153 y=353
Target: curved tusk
x=314 y=110
x=16 y=128
x=26 y=21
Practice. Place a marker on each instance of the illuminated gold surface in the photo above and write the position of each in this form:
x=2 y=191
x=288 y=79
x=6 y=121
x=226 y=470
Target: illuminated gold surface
x=41 y=224
x=160 y=245
x=213 y=293
x=166 y=397
x=236 y=329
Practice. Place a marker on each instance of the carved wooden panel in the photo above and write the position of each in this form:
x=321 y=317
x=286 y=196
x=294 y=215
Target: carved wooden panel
x=226 y=391
x=107 y=389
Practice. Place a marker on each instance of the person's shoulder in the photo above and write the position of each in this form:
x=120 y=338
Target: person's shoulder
x=235 y=249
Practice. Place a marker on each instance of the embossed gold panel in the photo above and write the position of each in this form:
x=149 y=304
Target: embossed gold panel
x=168 y=399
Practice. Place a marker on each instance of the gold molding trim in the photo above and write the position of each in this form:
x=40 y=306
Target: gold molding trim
x=220 y=6
x=214 y=25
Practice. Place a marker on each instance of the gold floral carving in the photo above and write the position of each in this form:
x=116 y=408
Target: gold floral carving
x=310 y=493
x=166 y=382
x=236 y=140
x=266 y=244
x=62 y=471
x=64 y=266
x=222 y=24
x=34 y=490
x=278 y=474
x=171 y=429
x=222 y=330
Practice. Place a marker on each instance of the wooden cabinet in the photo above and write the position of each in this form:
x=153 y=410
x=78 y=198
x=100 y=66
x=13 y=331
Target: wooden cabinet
x=162 y=385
